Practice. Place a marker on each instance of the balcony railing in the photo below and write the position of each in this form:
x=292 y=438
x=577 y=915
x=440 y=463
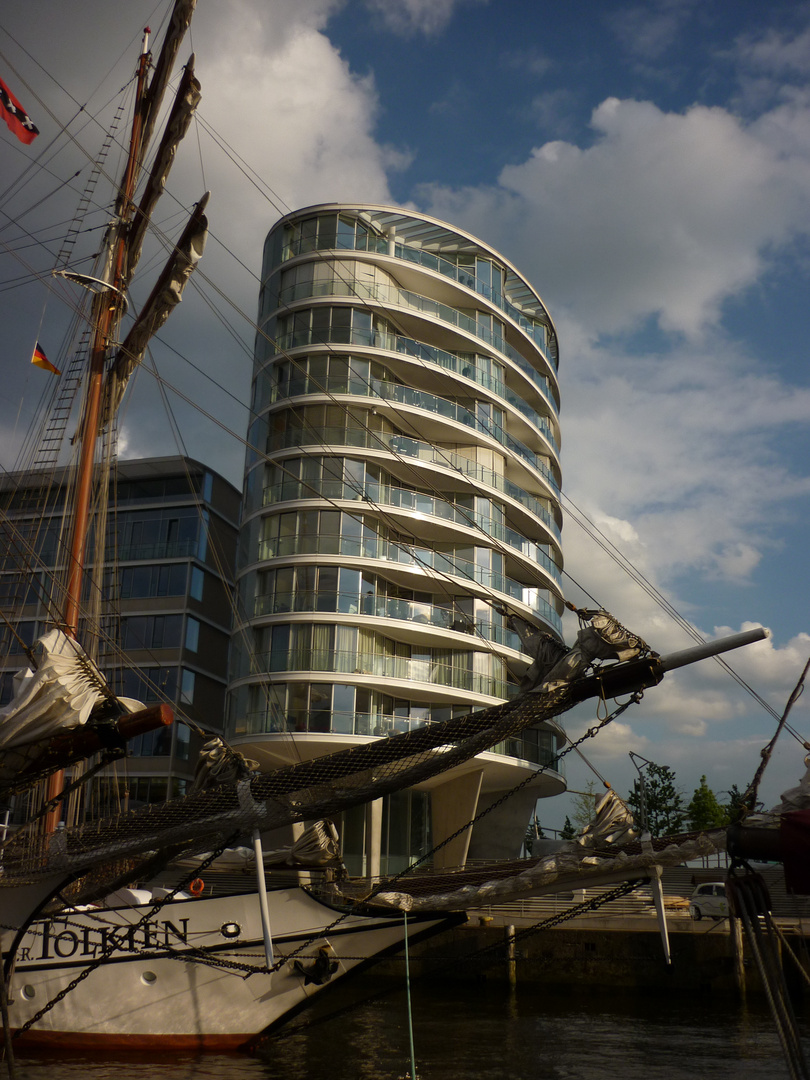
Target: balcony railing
x=406 y=395
x=462 y=276
x=396 y=668
x=360 y=436
x=385 y=607
x=386 y=550
x=385 y=494
x=525 y=747
x=464 y=364
x=379 y=339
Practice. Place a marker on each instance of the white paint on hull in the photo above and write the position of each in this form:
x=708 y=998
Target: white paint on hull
x=149 y=989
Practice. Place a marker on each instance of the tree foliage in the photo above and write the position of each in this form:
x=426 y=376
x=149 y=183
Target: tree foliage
x=533 y=832
x=568 y=831
x=704 y=811
x=583 y=805
x=658 y=804
x=735 y=808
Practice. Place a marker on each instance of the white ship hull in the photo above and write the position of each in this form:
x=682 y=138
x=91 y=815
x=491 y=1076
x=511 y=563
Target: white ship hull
x=156 y=990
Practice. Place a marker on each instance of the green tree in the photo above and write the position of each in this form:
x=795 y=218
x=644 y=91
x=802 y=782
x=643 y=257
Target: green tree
x=704 y=811
x=583 y=807
x=660 y=798
x=735 y=808
x=568 y=831
x=533 y=832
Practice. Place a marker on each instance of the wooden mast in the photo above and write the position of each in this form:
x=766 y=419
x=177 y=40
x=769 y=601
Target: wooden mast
x=106 y=315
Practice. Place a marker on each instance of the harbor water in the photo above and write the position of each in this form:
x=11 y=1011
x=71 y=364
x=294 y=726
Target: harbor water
x=480 y=1032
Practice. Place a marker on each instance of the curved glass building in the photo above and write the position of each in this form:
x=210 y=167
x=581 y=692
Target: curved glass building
x=401 y=490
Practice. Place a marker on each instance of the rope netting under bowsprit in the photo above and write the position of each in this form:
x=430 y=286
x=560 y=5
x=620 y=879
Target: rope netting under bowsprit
x=32 y=762
x=309 y=790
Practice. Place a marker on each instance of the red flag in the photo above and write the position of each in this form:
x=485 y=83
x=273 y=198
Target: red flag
x=39 y=359
x=16 y=117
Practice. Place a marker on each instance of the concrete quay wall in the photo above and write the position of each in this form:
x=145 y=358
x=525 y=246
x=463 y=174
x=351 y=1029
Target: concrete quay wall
x=620 y=954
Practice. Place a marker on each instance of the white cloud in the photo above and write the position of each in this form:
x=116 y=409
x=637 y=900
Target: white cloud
x=614 y=741
x=677 y=449
x=776 y=53
x=664 y=215
x=648 y=30
x=417 y=16
x=530 y=59
x=294 y=108
x=655 y=216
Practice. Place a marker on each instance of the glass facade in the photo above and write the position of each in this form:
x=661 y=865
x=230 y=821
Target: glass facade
x=401 y=489
x=164 y=597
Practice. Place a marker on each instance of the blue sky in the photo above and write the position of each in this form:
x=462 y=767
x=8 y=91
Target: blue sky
x=644 y=164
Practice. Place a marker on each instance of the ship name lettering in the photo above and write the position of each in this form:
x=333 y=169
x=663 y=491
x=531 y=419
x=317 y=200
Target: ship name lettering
x=181 y=935
x=94 y=940
x=118 y=939
x=65 y=944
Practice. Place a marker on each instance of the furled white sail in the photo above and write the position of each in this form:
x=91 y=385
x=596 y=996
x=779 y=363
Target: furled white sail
x=59 y=694
x=612 y=824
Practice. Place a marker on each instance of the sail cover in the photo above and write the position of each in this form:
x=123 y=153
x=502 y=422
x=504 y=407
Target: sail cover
x=166 y=295
x=59 y=694
x=186 y=101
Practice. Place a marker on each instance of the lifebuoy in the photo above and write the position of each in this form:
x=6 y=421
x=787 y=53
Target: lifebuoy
x=197 y=886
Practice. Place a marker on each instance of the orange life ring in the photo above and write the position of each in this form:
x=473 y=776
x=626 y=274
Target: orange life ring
x=197 y=886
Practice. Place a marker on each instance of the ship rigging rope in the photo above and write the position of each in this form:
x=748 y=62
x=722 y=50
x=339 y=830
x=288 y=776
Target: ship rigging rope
x=472 y=523
x=250 y=321
x=749 y=797
x=614 y=553
x=387 y=884
x=750 y=902
x=318 y=788
x=491 y=539
x=193 y=954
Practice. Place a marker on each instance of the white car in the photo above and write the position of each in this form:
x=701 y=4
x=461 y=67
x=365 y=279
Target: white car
x=710 y=900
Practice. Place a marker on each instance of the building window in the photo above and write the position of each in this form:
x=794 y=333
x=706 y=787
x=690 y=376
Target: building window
x=157 y=533
x=149 y=683
x=152 y=744
x=192 y=634
x=151 y=631
x=138 y=582
x=13 y=641
x=325 y=324
x=182 y=741
x=187 y=687
x=197 y=582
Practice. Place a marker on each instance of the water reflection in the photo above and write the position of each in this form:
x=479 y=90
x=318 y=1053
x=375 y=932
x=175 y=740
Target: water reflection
x=482 y=1032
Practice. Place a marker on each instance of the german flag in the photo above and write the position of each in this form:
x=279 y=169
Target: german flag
x=39 y=359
